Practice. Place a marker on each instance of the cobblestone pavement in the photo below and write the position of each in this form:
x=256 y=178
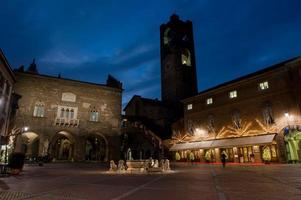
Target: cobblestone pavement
x=199 y=181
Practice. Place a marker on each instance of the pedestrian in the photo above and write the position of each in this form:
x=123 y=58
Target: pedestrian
x=223 y=158
x=191 y=157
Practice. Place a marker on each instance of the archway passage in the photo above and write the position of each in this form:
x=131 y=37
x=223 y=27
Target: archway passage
x=95 y=148
x=30 y=144
x=293 y=145
x=62 y=147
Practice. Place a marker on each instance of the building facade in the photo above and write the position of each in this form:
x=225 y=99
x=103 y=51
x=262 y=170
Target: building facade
x=67 y=119
x=255 y=118
x=7 y=81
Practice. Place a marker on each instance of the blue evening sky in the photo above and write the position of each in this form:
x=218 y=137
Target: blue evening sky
x=86 y=40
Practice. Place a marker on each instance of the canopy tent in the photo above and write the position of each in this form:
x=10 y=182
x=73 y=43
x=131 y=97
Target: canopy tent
x=228 y=142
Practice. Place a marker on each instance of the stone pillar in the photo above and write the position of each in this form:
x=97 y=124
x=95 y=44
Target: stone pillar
x=257 y=153
x=79 y=149
x=217 y=155
x=235 y=154
x=18 y=143
x=281 y=148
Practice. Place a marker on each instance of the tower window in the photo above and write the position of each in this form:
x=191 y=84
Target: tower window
x=166 y=37
x=264 y=85
x=186 y=57
x=189 y=107
x=209 y=101
x=233 y=94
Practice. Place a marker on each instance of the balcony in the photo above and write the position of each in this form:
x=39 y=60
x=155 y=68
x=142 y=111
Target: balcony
x=66 y=122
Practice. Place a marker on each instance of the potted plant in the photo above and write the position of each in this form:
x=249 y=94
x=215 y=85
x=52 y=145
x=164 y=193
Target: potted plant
x=16 y=162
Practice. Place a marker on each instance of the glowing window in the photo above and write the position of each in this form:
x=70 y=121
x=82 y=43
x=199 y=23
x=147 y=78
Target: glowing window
x=264 y=85
x=189 y=107
x=209 y=101
x=233 y=94
x=186 y=57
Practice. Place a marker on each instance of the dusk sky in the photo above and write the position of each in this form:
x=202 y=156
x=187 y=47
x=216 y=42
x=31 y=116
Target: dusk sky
x=87 y=40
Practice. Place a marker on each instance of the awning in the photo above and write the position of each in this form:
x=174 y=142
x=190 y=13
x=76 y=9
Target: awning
x=228 y=142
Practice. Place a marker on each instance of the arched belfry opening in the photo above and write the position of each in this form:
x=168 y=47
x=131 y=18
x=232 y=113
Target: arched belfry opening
x=186 y=57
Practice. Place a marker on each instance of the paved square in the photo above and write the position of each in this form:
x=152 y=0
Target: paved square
x=199 y=181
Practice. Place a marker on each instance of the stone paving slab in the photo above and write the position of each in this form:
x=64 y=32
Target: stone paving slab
x=89 y=182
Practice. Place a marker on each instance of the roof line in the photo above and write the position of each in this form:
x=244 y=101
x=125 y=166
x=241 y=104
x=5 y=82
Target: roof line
x=267 y=69
x=10 y=71
x=68 y=79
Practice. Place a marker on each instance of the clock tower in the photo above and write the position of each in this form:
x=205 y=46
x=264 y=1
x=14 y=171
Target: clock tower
x=178 y=68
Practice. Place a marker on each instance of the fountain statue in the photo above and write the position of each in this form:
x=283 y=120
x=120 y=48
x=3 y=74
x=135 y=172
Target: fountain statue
x=156 y=164
x=166 y=165
x=121 y=166
x=113 y=166
x=129 y=154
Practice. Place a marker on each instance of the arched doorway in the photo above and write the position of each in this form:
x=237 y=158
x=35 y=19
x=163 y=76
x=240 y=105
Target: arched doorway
x=62 y=146
x=96 y=148
x=30 y=144
x=292 y=138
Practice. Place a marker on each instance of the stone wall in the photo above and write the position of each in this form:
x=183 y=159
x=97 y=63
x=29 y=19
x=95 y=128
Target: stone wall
x=83 y=97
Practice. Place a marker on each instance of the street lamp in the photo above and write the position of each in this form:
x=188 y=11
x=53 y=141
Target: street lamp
x=26 y=128
x=286 y=114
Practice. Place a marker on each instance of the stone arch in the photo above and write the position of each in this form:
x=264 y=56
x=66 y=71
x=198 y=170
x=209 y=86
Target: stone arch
x=96 y=147
x=62 y=146
x=186 y=57
x=291 y=138
x=166 y=38
x=28 y=143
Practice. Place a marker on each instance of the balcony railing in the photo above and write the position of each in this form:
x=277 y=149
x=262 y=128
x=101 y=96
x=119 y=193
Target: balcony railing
x=66 y=122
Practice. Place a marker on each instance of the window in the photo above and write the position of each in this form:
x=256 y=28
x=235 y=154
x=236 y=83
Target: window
x=233 y=94
x=264 y=85
x=7 y=90
x=209 y=101
x=189 y=107
x=67 y=112
x=39 y=110
x=186 y=57
x=166 y=36
x=94 y=115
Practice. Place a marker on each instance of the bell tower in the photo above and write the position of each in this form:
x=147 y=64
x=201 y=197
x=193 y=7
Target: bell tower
x=178 y=68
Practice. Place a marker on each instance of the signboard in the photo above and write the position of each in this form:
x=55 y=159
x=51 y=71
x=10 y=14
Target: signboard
x=68 y=96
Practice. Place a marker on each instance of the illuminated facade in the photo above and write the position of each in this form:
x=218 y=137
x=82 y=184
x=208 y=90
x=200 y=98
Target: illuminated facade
x=67 y=119
x=7 y=81
x=255 y=118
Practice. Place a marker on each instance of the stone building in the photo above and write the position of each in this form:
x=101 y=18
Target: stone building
x=67 y=119
x=255 y=118
x=7 y=81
